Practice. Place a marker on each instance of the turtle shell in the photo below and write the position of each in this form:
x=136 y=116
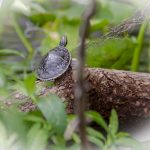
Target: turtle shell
x=54 y=64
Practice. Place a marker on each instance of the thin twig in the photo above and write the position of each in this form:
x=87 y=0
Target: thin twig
x=80 y=89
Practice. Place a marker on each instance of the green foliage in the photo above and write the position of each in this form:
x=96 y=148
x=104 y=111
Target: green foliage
x=110 y=53
x=113 y=125
x=98 y=119
x=29 y=84
x=58 y=119
x=11 y=52
x=41 y=129
x=40 y=137
x=28 y=30
x=114 y=138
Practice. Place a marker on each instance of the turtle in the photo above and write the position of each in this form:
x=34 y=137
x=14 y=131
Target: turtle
x=55 y=63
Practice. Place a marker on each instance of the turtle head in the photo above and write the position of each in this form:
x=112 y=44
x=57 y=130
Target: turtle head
x=63 y=41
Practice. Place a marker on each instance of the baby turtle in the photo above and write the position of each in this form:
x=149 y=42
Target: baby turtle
x=54 y=63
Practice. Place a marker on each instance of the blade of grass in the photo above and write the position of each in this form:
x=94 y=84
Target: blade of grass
x=148 y=50
x=138 y=49
x=22 y=36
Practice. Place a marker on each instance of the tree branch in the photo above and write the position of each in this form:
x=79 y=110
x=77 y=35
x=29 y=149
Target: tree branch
x=127 y=92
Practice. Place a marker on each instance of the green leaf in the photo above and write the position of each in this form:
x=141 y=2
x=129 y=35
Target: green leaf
x=95 y=141
x=97 y=118
x=33 y=118
x=11 y=52
x=37 y=138
x=97 y=25
x=76 y=138
x=29 y=84
x=53 y=110
x=129 y=142
x=7 y=140
x=106 y=52
x=122 y=134
x=113 y=122
x=19 y=86
x=13 y=122
x=95 y=133
x=59 y=140
x=32 y=131
x=123 y=59
x=42 y=18
x=74 y=147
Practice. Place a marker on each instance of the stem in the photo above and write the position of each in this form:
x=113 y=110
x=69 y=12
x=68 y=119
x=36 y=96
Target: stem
x=21 y=36
x=138 y=49
x=148 y=53
x=80 y=87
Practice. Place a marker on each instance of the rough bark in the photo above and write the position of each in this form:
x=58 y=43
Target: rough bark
x=127 y=92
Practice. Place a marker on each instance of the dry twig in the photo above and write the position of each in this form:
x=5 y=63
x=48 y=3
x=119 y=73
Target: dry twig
x=80 y=86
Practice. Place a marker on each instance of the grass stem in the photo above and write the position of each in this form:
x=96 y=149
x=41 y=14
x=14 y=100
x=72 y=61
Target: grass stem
x=138 y=49
x=22 y=36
